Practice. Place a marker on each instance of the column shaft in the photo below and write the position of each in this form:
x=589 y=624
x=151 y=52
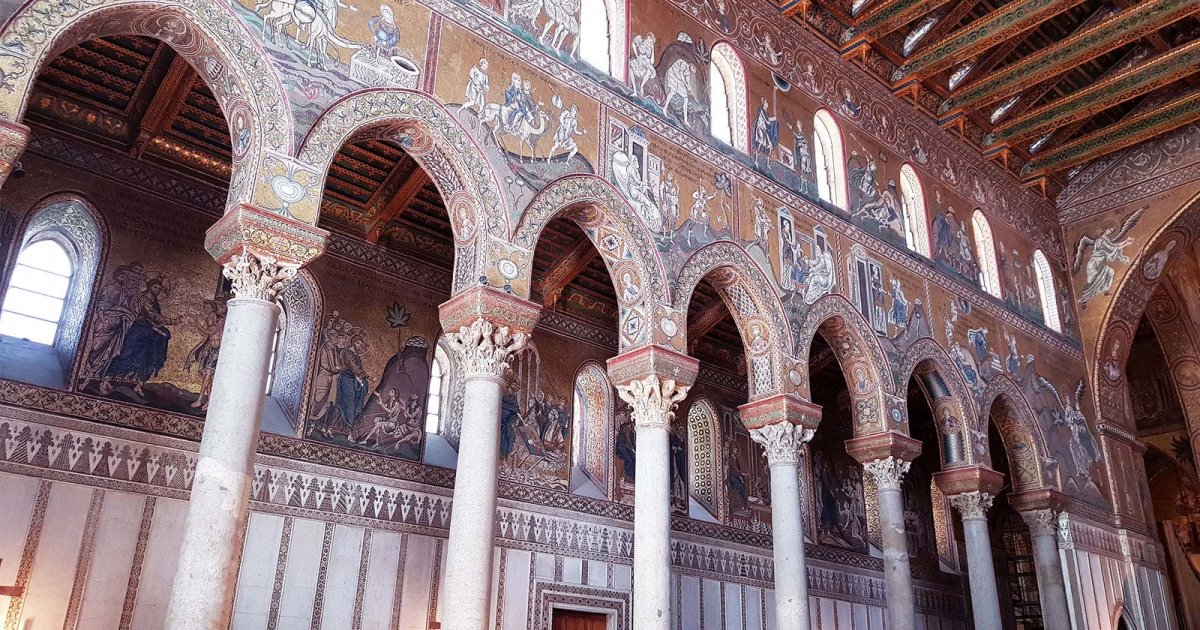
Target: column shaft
x=985 y=599
x=1052 y=590
x=787 y=529
x=897 y=575
x=202 y=594
x=652 y=530
x=469 y=555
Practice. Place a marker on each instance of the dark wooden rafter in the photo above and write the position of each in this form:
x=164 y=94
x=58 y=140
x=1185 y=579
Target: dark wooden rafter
x=1131 y=130
x=884 y=16
x=979 y=36
x=1053 y=61
x=164 y=105
x=705 y=320
x=566 y=268
x=416 y=181
x=1079 y=106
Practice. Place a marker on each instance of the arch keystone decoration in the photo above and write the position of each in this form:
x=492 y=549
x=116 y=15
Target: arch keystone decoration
x=206 y=33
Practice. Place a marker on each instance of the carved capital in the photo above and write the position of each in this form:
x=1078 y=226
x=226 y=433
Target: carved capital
x=782 y=442
x=257 y=277
x=483 y=348
x=1041 y=522
x=972 y=505
x=889 y=472
x=653 y=400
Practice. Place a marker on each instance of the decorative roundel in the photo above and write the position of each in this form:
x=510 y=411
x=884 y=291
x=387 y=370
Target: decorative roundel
x=240 y=131
x=287 y=189
x=464 y=213
x=668 y=327
x=1112 y=361
x=1161 y=309
x=508 y=269
x=758 y=336
x=1157 y=262
x=897 y=417
x=628 y=283
x=1187 y=374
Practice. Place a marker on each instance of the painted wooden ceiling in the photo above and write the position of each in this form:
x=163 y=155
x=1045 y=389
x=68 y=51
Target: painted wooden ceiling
x=1041 y=86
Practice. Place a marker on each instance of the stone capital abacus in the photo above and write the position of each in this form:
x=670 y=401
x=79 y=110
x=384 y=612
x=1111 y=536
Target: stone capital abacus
x=882 y=446
x=261 y=250
x=14 y=137
x=969 y=479
x=972 y=505
x=653 y=379
x=782 y=442
x=780 y=408
x=889 y=472
x=486 y=327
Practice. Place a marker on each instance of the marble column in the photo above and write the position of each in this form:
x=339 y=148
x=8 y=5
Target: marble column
x=1043 y=529
x=887 y=457
x=652 y=381
x=784 y=443
x=483 y=347
x=14 y=137
x=206 y=575
x=985 y=599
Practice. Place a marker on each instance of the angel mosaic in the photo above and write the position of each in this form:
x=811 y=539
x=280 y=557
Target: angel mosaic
x=1102 y=251
x=1068 y=413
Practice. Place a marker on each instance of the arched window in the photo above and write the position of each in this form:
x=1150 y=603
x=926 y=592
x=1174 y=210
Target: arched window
x=830 y=160
x=602 y=37
x=912 y=196
x=985 y=250
x=727 y=98
x=1047 y=292
x=703 y=455
x=37 y=293
x=439 y=385
x=593 y=417
x=47 y=296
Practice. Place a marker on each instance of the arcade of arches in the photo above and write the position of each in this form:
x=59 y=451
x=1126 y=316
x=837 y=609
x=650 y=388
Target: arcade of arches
x=663 y=315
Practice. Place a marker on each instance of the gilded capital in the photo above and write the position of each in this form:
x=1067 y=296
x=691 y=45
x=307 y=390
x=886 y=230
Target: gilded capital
x=972 y=505
x=653 y=400
x=483 y=349
x=888 y=472
x=782 y=442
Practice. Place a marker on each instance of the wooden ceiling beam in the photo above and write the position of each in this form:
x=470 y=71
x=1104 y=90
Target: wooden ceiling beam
x=563 y=271
x=398 y=203
x=1053 y=61
x=164 y=105
x=1131 y=130
x=1122 y=86
x=884 y=16
x=705 y=321
x=974 y=39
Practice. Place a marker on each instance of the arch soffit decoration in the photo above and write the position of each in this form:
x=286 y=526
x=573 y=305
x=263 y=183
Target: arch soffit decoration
x=206 y=33
x=1130 y=299
x=1023 y=441
x=752 y=302
x=437 y=143
x=618 y=234
x=304 y=301
x=946 y=392
x=868 y=373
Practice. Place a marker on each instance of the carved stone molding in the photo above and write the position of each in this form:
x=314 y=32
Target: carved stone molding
x=782 y=442
x=653 y=400
x=483 y=348
x=1041 y=522
x=888 y=473
x=972 y=505
x=266 y=235
x=13 y=139
x=257 y=278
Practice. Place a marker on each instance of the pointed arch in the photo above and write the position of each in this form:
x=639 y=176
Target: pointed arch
x=985 y=252
x=867 y=370
x=949 y=399
x=303 y=306
x=752 y=302
x=728 y=119
x=70 y=220
x=624 y=242
x=439 y=145
x=1004 y=404
x=206 y=33
x=829 y=154
x=593 y=417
